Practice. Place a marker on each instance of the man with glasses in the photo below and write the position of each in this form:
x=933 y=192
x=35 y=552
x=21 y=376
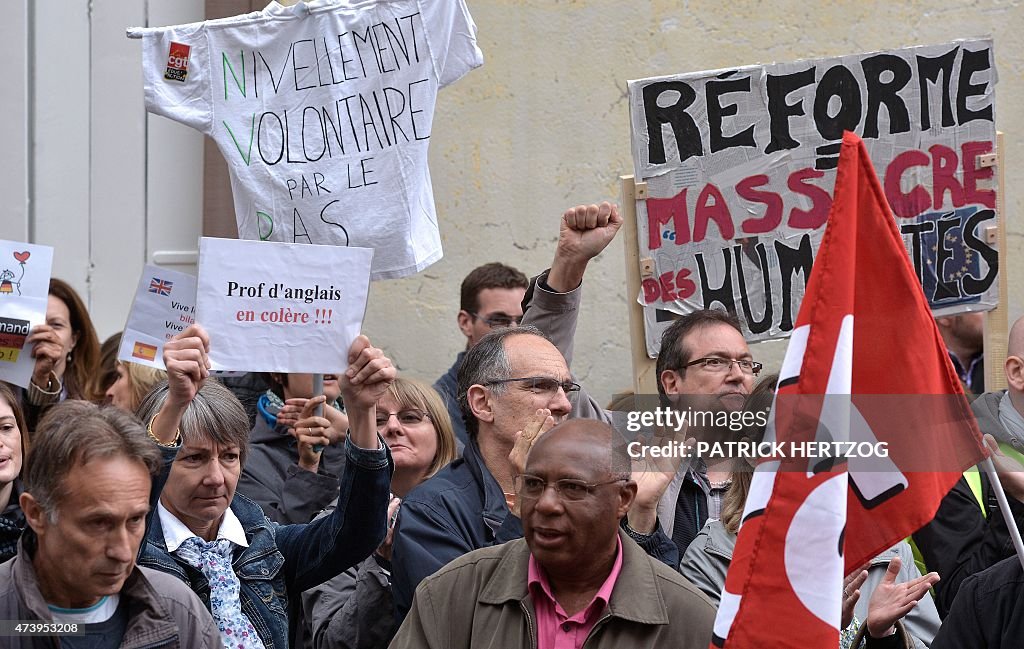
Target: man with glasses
x=513 y=383
x=490 y=298
x=575 y=578
x=705 y=364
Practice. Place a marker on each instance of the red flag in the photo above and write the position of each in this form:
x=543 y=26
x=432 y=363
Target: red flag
x=865 y=343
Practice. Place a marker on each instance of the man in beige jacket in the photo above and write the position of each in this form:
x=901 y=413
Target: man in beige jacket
x=575 y=579
x=87 y=493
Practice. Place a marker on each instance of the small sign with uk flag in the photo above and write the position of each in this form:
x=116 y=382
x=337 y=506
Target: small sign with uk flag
x=164 y=306
x=160 y=286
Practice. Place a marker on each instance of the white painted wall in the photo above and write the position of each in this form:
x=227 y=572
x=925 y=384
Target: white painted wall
x=14 y=105
x=542 y=126
x=86 y=169
x=174 y=166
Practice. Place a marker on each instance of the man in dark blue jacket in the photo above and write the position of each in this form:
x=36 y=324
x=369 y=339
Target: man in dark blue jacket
x=490 y=298
x=464 y=506
x=513 y=380
x=988 y=610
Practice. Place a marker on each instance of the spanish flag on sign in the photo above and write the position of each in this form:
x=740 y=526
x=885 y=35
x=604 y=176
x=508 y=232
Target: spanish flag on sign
x=144 y=351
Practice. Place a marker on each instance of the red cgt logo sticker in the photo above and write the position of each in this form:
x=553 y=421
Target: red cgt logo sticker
x=177 y=62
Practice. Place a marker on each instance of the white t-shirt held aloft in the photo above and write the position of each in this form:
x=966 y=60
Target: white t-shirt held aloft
x=323 y=111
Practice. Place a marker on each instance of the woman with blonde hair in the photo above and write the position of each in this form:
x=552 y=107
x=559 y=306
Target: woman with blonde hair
x=355 y=609
x=406 y=417
x=133 y=383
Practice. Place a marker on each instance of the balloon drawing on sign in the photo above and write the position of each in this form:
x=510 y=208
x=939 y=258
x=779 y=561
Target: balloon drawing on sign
x=7 y=283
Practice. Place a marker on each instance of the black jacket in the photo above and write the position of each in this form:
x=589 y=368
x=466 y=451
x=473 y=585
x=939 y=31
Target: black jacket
x=988 y=612
x=458 y=510
x=691 y=513
x=961 y=540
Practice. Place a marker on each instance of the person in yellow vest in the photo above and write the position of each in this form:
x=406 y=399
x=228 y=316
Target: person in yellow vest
x=969 y=533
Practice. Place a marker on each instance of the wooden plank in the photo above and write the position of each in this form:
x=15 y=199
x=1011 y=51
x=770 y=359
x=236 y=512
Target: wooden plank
x=997 y=325
x=645 y=380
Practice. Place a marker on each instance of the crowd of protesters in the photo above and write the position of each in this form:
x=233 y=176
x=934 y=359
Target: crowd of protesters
x=168 y=509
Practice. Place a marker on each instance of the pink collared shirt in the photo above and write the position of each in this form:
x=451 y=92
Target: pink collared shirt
x=555 y=629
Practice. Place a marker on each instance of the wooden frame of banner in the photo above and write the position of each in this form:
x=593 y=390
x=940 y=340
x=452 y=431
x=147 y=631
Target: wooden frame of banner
x=996 y=334
x=645 y=379
x=997 y=325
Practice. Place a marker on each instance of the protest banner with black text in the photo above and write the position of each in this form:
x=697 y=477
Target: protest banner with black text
x=739 y=166
x=281 y=307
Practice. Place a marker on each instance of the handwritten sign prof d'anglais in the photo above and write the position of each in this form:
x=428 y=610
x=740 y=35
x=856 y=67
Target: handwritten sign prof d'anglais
x=281 y=307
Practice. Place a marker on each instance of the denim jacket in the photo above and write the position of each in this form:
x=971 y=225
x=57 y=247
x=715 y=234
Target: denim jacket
x=284 y=560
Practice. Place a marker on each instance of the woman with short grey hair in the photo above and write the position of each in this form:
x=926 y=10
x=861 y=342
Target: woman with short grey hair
x=247 y=569
x=214 y=413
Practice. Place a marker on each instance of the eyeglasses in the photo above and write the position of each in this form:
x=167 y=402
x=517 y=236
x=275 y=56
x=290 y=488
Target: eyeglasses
x=539 y=384
x=499 y=320
x=719 y=365
x=530 y=487
x=409 y=417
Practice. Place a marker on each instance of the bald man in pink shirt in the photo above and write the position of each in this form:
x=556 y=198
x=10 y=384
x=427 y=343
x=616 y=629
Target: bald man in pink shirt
x=575 y=578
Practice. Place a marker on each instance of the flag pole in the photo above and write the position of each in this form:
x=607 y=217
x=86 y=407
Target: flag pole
x=1004 y=506
x=318 y=389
